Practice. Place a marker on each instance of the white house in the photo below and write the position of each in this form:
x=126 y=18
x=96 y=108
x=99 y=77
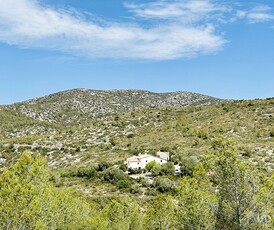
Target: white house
x=140 y=161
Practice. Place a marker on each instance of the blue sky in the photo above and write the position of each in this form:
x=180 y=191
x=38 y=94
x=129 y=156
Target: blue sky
x=219 y=48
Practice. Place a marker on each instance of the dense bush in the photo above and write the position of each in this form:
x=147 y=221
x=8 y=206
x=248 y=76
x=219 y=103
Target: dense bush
x=123 y=167
x=150 y=165
x=134 y=171
x=117 y=177
x=163 y=170
x=156 y=170
x=167 y=169
x=187 y=166
x=102 y=166
x=144 y=182
x=86 y=172
x=164 y=184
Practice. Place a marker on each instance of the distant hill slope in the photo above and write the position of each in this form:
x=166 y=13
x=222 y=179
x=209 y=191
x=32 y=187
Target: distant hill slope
x=74 y=149
x=78 y=104
x=182 y=131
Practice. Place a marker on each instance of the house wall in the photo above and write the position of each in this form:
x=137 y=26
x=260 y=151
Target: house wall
x=148 y=159
x=133 y=165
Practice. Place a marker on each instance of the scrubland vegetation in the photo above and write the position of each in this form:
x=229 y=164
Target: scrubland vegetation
x=67 y=173
x=225 y=192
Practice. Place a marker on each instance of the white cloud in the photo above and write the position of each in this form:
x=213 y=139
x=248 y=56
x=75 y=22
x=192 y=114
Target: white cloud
x=241 y=14
x=28 y=24
x=188 y=10
x=260 y=13
x=155 y=10
x=176 y=28
x=260 y=17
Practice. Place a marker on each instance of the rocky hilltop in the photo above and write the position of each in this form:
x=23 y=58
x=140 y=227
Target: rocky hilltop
x=72 y=105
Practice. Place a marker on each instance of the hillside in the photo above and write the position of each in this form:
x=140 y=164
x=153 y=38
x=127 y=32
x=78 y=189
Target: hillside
x=81 y=104
x=75 y=151
x=183 y=131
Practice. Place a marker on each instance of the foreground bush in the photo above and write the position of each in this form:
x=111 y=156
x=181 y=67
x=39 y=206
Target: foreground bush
x=29 y=201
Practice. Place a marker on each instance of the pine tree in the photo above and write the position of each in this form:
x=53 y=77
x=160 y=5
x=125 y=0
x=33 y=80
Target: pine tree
x=29 y=201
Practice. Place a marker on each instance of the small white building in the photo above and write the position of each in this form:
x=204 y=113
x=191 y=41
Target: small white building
x=140 y=161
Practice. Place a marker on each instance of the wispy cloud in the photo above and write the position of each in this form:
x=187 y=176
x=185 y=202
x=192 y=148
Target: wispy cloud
x=260 y=13
x=28 y=24
x=177 y=29
x=189 y=10
x=257 y=14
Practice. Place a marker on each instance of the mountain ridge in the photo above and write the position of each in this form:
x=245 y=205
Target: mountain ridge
x=68 y=105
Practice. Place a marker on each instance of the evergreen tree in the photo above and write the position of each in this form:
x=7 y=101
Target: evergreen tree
x=123 y=215
x=239 y=189
x=197 y=202
x=29 y=201
x=161 y=215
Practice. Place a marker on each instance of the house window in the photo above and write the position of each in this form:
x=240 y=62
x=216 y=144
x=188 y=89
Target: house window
x=161 y=160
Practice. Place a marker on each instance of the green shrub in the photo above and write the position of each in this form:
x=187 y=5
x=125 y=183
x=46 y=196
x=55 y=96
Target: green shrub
x=135 y=190
x=123 y=183
x=156 y=170
x=123 y=167
x=117 y=177
x=168 y=169
x=164 y=184
x=144 y=182
x=150 y=165
x=187 y=166
x=134 y=171
x=151 y=192
x=86 y=172
x=163 y=170
x=102 y=166
x=203 y=134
